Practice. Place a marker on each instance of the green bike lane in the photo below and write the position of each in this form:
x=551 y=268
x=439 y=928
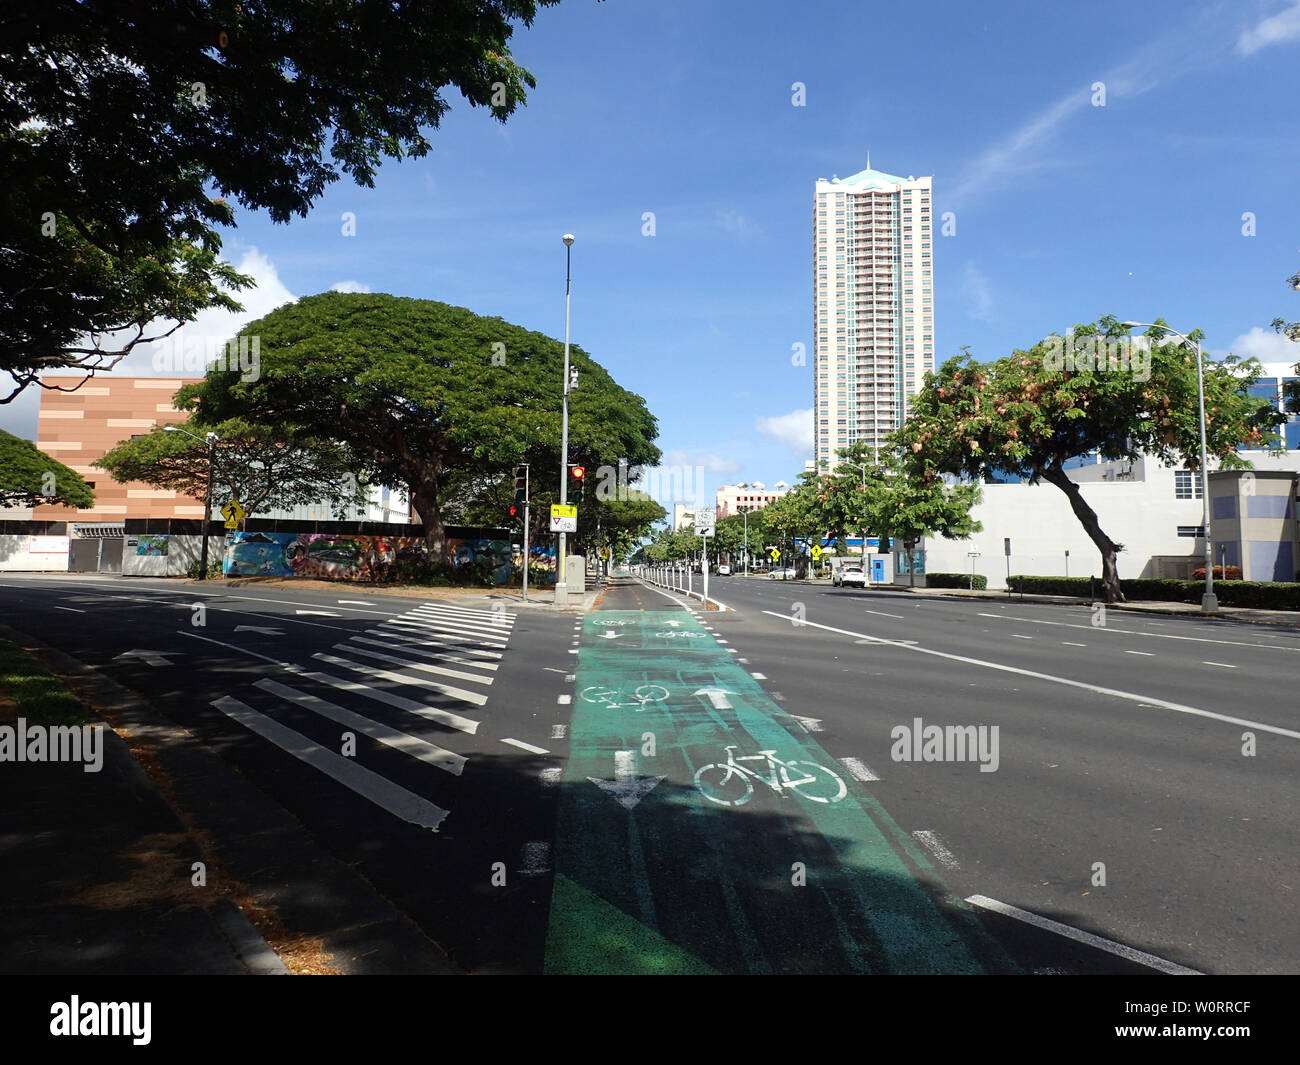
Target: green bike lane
x=652 y=876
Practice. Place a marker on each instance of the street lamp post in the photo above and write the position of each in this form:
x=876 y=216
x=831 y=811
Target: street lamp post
x=561 y=584
x=211 y=441
x=1209 y=602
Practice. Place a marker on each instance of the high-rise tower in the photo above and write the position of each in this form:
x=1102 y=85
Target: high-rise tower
x=873 y=306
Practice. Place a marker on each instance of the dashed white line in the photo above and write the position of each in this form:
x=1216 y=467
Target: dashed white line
x=1071 y=643
x=526 y=746
x=564 y=700
x=1221 y=665
x=860 y=770
x=558 y=732
x=758 y=676
x=1144 y=654
x=936 y=846
x=1019 y=637
x=883 y=614
x=551 y=776
x=1108 y=945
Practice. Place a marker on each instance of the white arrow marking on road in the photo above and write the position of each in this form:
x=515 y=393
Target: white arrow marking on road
x=318 y=613
x=154 y=658
x=610 y=634
x=260 y=628
x=717 y=696
x=674 y=624
x=809 y=724
x=626 y=787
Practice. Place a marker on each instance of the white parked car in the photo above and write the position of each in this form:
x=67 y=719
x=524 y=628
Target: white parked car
x=786 y=574
x=724 y=570
x=846 y=575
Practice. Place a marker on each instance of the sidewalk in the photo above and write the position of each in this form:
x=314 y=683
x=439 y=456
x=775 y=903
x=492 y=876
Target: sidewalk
x=97 y=869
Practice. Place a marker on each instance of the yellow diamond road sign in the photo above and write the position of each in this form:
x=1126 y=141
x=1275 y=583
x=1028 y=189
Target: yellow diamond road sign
x=776 y=554
x=234 y=513
x=816 y=550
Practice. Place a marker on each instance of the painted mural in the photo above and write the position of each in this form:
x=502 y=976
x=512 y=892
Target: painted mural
x=338 y=556
x=152 y=545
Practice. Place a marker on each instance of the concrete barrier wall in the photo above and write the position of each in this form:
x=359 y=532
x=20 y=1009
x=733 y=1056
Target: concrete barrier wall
x=34 y=553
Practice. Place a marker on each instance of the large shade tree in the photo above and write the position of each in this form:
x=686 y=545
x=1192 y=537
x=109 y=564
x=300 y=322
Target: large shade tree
x=429 y=396
x=1026 y=415
x=119 y=120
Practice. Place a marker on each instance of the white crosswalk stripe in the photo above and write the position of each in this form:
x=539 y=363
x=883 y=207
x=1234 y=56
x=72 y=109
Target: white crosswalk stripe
x=443 y=655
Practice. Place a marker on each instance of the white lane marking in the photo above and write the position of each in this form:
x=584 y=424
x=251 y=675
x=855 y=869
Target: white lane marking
x=424 y=667
x=73 y=609
x=429 y=713
x=1108 y=945
x=1019 y=637
x=570 y=677
x=564 y=700
x=408 y=642
x=859 y=769
x=500 y=637
x=437 y=656
x=369 y=785
x=464 y=694
x=467 y=611
x=551 y=776
x=1221 y=665
x=1146 y=700
x=733 y=650
x=1069 y=643
x=558 y=732
x=353 y=602
x=552 y=669
x=809 y=724
x=319 y=613
x=437 y=633
x=494 y=621
x=1139 y=632
x=1144 y=654
x=536 y=860
x=573 y=650
x=400 y=741
x=526 y=746
x=883 y=614
x=932 y=842
x=758 y=676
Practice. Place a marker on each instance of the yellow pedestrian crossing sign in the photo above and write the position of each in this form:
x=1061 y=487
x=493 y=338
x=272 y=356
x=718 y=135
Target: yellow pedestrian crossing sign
x=816 y=551
x=234 y=513
x=776 y=554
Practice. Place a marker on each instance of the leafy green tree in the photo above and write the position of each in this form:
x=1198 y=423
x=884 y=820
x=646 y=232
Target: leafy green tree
x=1291 y=330
x=119 y=117
x=1027 y=414
x=253 y=465
x=428 y=396
x=29 y=477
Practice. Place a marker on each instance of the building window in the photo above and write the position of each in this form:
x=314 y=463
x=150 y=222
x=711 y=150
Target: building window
x=1187 y=485
x=1190 y=530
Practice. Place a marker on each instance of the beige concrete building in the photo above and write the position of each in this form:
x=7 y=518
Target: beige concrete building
x=873 y=306
x=733 y=498
x=78 y=425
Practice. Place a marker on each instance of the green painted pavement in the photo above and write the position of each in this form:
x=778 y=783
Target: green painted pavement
x=678 y=883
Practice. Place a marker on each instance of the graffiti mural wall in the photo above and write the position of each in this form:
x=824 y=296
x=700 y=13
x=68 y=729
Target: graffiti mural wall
x=345 y=556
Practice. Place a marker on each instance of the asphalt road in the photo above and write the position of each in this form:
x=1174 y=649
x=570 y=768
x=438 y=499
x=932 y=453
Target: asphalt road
x=1123 y=741
x=555 y=792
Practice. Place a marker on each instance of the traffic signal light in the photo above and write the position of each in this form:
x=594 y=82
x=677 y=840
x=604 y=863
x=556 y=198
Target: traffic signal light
x=514 y=510
x=521 y=485
x=579 y=480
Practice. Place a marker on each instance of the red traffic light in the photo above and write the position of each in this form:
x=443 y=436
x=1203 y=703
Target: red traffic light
x=578 y=473
x=514 y=511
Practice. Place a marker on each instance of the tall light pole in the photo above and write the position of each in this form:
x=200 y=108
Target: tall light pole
x=1209 y=601
x=211 y=442
x=561 y=583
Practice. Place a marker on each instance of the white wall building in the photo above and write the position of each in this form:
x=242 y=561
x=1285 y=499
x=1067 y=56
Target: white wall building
x=733 y=498
x=873 y=306
x=1155 y=511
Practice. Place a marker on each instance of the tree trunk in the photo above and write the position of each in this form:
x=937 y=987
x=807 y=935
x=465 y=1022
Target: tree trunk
x=1088 y=519
x=425 y=500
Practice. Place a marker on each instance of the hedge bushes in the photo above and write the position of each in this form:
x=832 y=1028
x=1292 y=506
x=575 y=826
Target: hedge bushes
x=1270 y=595
x=955 y=580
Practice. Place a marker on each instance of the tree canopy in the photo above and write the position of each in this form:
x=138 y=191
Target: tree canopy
x=119 y=117
x=255 y=465
x=429 y=396
x=1027 y=413
x=29 y=477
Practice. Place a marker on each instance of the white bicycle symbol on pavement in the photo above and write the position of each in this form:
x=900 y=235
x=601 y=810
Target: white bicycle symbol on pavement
x=730 y=783
x=615 y=698
x=675 y=635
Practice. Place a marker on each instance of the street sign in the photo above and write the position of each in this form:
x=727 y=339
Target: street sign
x=564 y=518
x=816 y=551
x=704 y=522
x=234 y=513
x=1006 y=546
x=775 y=556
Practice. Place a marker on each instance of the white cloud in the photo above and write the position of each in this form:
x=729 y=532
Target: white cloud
x=212 y=328
x=736 y=223
x=349 y=286
x=1275 y=351
x=794 y=430
x=1276 y=29
x=707 y=460
x=975 y=287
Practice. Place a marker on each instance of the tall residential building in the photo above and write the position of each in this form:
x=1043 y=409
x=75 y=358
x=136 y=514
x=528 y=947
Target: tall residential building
x=873 y=306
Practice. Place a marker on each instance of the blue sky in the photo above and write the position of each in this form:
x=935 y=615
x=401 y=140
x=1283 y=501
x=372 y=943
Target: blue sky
x=683 y=108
